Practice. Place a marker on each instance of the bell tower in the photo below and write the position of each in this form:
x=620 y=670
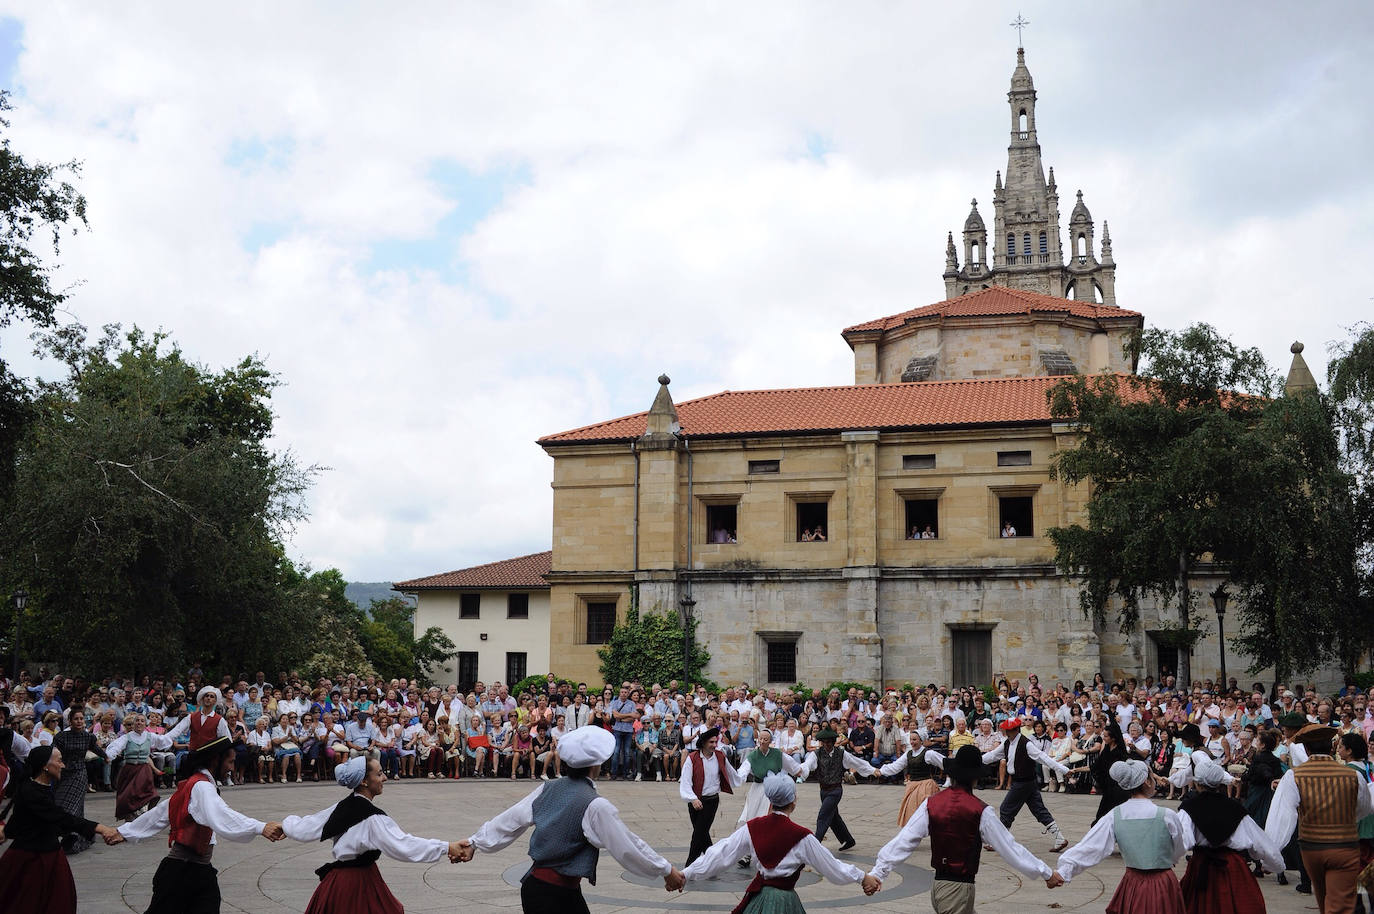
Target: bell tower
x=1026 y=248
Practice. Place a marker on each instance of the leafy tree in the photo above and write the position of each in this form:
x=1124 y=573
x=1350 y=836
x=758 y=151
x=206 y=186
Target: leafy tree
x=1194 y=467
x=649 y=647
x=35 y=205
x=330 y=646
x=391 y=646
x=145 y=500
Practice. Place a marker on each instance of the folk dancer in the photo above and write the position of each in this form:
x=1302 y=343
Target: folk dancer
x=781 y=848
x=923 y=775
x=959 y=825
x=571 y=826
x=705 y=774
x=1293 y=754
x=756 y=765
x=34 y=873
x=361 y=833
x=1152 y=839
x=829 y=762
x=136 y=785
x=1221 y=833
x=185 y=881
x=1021 y=755
x=1324 y=801
x=1184 y=777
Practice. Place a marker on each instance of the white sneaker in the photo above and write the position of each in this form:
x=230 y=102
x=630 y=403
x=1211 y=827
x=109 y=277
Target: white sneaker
x=544 y=776
x=659 y=776
x=639 y=776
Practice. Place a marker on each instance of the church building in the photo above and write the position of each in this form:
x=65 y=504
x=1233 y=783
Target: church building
x=890 y=531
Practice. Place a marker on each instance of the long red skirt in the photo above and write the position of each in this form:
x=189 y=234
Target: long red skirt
x=1147 y=892
x=32 y=881
x=135 y=787
x=1219 y=881
x=353 y=890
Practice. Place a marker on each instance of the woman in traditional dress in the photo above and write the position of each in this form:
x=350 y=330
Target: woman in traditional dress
x=136 y=783
x=34 y=874
x=780 y=849
x=1265 y=769
x=1218 y=880
x=922 y=768
x=1152 y=840
x=756 y=765
x=361 y=834
x=75 y=742
x=1113 y=751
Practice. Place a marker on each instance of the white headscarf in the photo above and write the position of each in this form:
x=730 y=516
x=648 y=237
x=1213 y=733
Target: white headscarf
x=1130 y=775
x=780 y=789
x=351 y=773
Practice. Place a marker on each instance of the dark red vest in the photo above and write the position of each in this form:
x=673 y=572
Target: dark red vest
x=772 y=836
x=184 y=829
x=699 y=774
x=204 y=729
x=955 y=841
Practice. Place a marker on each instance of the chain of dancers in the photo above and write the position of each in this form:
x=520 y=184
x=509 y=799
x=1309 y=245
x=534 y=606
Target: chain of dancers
x=1318 y=804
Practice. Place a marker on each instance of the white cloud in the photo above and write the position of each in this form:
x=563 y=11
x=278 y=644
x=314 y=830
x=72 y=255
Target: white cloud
x=713 y=191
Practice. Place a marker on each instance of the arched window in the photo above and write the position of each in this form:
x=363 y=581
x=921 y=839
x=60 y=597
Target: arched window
x=1097 y=292
x=1022 y=122
x=1025 y=244
x=1081 y=245
x=1071 y=292
x=1011 y=244
x=1044 y=243
x=974 y=257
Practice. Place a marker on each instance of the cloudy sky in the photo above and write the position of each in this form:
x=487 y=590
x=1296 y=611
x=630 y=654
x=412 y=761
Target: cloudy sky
x=454 y=227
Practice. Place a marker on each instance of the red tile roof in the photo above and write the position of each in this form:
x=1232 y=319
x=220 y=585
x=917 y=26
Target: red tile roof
x=997 y=301
x=927 y=404
x=523 y=573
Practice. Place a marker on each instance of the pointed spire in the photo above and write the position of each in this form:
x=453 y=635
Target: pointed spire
x=1052 y=186
x=1300 y=378
x=951 y=255
x=974 y=222
x=662 y=421
x=1080 y=211
x=1106 y=243
x=1020 y=77
x=998 y=185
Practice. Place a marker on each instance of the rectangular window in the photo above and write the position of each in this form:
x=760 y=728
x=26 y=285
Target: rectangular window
x=517 y=607
x=812 y=521
x=918 y=461
x=470 y=606
x=516 y=664
x=782 y=661
x=922 y=518
x=467 y=670
x=764 y=466
x=972 y=657
x=1013 y=458
x=1014 y=516
x=721 y=523
x=600 y=622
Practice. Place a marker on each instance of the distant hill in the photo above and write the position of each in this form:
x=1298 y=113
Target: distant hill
x=362 y=593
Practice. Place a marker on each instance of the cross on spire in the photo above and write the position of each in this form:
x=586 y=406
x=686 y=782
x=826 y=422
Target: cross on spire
x=1019 y=23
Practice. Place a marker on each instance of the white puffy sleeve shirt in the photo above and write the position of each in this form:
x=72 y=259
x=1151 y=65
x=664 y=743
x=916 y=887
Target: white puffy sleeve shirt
x=375 y=833
x=601 y=824
x=723 y=855
x=990 y=828
x=1098 y=843
x=207 y=808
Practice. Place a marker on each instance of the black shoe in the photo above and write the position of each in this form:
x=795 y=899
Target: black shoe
x=1304 y=888
x=847 y=845
x=1283 y=880
x=743 y=862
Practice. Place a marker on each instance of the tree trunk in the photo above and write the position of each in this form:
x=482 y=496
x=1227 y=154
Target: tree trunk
x=1185 y=648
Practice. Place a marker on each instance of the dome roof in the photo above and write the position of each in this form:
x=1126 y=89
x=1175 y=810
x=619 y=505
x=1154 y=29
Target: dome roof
x=974 y=222
x=1080 y=212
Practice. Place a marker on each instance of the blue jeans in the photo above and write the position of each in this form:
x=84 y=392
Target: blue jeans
x=623 y=762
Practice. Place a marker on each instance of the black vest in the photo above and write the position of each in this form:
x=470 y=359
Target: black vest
x=1025 y=767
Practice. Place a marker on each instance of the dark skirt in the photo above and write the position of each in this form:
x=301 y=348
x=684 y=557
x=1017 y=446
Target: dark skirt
x=134 y=788
x=1219 y=881
x=70 y=795
x=1147 y=892
x=183 y=887
x=31 y=881
x=353 y=890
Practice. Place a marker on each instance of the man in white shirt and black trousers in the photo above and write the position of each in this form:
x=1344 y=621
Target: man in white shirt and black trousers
x=572 y=824
x=1022 y=754
x=705 y=773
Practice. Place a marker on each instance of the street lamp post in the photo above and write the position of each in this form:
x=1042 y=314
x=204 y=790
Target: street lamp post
x=1219 y=598
x=687 y=604
x=21 y=599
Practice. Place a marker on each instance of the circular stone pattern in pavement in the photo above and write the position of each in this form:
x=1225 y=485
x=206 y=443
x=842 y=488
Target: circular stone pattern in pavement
x=629 y=891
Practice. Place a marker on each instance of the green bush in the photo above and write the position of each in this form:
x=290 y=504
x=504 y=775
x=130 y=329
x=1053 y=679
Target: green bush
x=1364 y=680
x=648 y=647
x=532 y=683
x=844 y=688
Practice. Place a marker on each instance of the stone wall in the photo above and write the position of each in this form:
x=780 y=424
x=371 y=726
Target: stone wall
x=996 y=347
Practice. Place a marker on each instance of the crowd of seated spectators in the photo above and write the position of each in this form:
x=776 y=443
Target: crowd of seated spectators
x=292 y=730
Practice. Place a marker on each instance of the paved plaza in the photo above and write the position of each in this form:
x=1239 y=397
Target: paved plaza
x=266 y=878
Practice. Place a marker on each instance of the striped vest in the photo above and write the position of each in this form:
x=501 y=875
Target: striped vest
x=1327 y=796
